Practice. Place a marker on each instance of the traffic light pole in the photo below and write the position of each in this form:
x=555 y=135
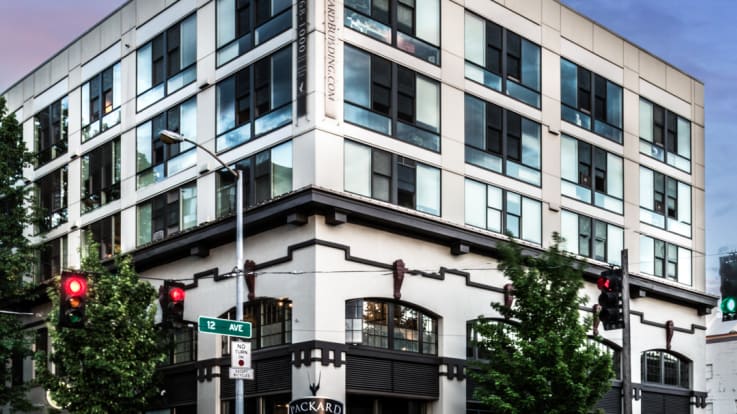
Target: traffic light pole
x=239 y=278
x=626 y=339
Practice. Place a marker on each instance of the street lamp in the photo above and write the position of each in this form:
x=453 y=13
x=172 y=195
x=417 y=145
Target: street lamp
x=170 y=137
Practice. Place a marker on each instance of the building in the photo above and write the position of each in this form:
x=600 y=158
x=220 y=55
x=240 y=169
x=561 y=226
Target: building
x=371 y=132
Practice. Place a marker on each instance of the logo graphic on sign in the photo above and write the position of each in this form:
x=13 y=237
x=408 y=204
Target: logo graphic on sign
x=315 y=405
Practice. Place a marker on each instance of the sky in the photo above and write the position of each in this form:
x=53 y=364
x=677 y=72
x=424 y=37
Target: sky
x=697 y=36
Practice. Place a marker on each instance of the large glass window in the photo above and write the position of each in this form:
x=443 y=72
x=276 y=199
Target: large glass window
x=590 y=101
x=101 y=176
x=665 y=136
x=666 y=260
x=665 y=202
x=156 y=160
x=51 y=193
x=181 y=345
x=255 y=101
x=661 y=367
x=267 y=175
x=502 y=141
x=52 y=258
x=382 y=324
x=391 y=99
x=167 y=63
x=502 y=60
x=501 y=211
x=391 y=178
x=271 y=323
x=106 y=233
x=101 y=98
x=245 y=24
x=591 y=175
x=167 y=214
x=411 y=25
x=591 y=238
x=50 y=131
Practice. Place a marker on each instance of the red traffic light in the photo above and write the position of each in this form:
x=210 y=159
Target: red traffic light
x=603 y=283
x=75 y=285
x=176 y=294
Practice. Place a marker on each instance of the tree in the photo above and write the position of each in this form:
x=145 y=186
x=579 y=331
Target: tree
x=540 y=358
x=16 y=255
x=109 y=365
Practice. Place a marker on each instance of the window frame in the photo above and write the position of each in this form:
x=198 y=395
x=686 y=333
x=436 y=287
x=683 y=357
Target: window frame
x=55 y=145
x=232 y=128
x=669 y=210
x=392 y=181
x=391 y=102
x=666 y=151
x=52 y=258
x=108 y=174
x=482 y=156
x=659 y=252
x=612 y=251
x=163 y=212
x=500 y=74
x=230 y=44
x=253 y=311
x=388 y=30
x=353 y=306
x=106 y=233
x=105 y=119
x=149 y=88
x=52 y=193
x=591 y=115
x=681 y=363
x=502 y=208
x=587 y=192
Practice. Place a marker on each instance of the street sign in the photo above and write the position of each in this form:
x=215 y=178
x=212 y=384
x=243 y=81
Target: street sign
x=224 y=327
x=240 y=354
x=241 y=373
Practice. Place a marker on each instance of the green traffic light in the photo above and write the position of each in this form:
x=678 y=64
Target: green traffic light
x=729 y=305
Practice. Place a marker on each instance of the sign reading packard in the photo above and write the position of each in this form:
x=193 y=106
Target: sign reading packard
x=315 y=405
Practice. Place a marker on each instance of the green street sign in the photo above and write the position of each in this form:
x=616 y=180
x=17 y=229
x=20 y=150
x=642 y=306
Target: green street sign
x=224 y=327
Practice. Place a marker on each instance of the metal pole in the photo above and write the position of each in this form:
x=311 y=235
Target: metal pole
x=239 y=279
x=626 y=340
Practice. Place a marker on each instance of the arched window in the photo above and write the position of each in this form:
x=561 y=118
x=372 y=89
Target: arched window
x=391 y=325
x=662 y=367
x=613 y=351
x=271 y=319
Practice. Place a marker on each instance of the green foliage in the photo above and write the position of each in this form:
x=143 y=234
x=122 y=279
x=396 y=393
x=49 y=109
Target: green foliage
x=541 y=360
x=109 y=366
x=16 y=254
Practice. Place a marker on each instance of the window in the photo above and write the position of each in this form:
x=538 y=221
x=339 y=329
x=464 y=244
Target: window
x=391 y=178
x=101 y=176
x=266 y=175
x=666 y=260
x=590 y=101
x=255 y=101
x=411 y=25
x=52 y=258
x=661 y=367
x=391 y=99
x=167 y=214
x=592 y=238
x=51 y=193
x=101 y=102
x=390 y=325
x=665 y=136
x=271 y=323
x=502 y=60
x=665 y=202
x=106 y=233
x=245 y=24
x=50 y=127
x=182 y=345
x=502 y=141
x=167 y=62
x=502 y=211
x=591 y=175
x=156 y=160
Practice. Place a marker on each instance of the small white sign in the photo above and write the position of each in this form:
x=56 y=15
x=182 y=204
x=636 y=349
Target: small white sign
x=241 y=373
x=240 y=354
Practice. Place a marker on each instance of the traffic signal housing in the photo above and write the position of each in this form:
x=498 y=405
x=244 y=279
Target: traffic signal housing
x=72 y=300
x=728 y=288
x=611 y=301
x=171 y=298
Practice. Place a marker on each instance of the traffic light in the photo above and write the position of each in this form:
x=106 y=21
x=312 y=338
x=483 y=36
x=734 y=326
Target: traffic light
x=728 y=274
x=72 y=300
x=171 y=297
x=610 y=299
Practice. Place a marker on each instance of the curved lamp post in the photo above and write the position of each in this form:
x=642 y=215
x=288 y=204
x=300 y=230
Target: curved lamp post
x=170 y=137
